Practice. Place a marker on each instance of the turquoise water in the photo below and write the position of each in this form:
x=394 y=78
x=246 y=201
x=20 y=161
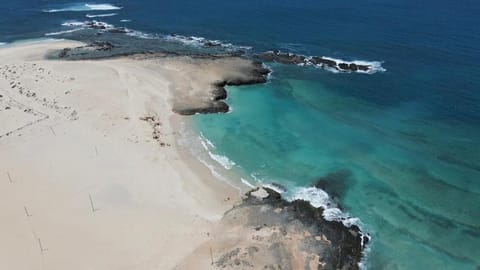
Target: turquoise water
x=414 y=181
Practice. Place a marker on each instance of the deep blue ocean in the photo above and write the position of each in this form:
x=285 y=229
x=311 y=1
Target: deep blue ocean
x=398 y=149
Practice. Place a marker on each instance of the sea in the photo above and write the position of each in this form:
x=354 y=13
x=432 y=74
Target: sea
x=395 y=151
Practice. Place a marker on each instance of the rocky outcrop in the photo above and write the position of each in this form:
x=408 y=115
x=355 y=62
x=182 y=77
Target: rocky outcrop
x=212 y=107
x=101 y=45
x=268 y=232
x=345 y=249
x=323 y=62
x=251 y=74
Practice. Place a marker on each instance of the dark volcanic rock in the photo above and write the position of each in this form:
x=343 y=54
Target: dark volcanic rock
x=353 y=67
x=219 y=92
x=213 y=107
x=101 y=45
x=343 y=66
x=253 y=74
x=345 y=249
x=323 y=61
x=98 y=46
x=363 y=67
x=63 y=53
x=284 y=58
x=289 y=58
x=212 y=44
x=96 y=25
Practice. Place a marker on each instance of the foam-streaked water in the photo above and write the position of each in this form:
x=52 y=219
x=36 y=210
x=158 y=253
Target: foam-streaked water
x=397 y=149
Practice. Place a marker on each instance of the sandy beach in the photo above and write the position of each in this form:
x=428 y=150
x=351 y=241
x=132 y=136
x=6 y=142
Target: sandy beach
x=94 y=175
x=91 y=174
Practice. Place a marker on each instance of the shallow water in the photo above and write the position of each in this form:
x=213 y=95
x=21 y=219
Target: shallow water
x=412 y=180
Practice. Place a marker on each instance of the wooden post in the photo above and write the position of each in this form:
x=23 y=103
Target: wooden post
x=42 y=249
x=211 y=254
x=51 y=129
x=91 y=203
x=26 y=211
x=9 y=177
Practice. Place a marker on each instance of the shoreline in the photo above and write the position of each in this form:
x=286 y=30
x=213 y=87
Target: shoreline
x=122 y=110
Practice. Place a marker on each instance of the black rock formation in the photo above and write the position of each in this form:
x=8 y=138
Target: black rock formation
x=289 y=58
x=254 y=74
x=345 y=249
x=213 y=107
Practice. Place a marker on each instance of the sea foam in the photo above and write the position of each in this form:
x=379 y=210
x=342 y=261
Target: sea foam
x=248 y=184
x=84 y=7
x=376 y=66
x=73 y=23
x=195 y=41
x=222 y=160
x=319 y=198
x=101 y=15
x=63 y=32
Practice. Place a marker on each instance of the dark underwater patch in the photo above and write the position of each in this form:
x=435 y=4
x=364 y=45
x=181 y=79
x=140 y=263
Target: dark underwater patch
x=336 y=184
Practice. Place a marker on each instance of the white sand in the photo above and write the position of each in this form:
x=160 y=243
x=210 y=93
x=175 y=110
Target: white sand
x=79 y=136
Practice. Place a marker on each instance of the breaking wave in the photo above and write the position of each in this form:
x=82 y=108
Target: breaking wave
x=203 y=42
x=319 y=198
x=63 y=32
x=222 y=160
x=376 y=66
x=101 y=15
x=84 y=7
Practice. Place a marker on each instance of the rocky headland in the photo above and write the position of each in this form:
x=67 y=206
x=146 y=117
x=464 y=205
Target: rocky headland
x=229 y=69
x=267 y=232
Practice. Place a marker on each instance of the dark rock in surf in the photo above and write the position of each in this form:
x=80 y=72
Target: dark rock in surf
x=343 y=66
x=344 y=250
x=212 y=44
x=353 y=67
x=255 y=74
x=96 y=25
x=289 y=58
x=323 y=61
x=101 y=45
x=279 y=57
